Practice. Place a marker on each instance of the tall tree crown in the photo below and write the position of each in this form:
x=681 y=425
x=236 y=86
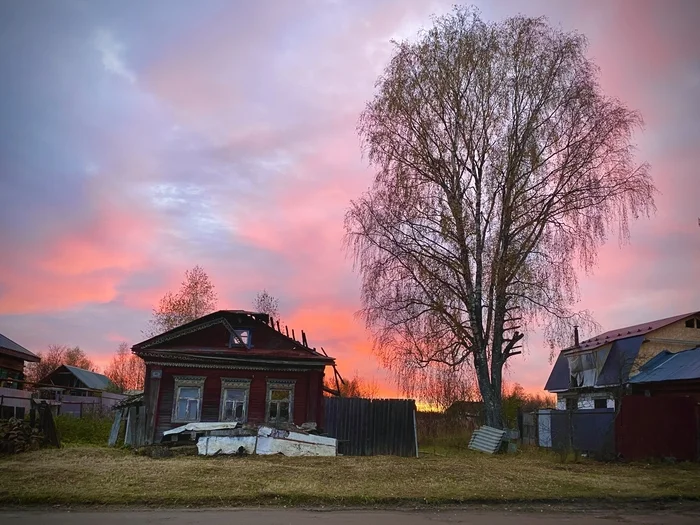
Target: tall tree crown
x=195 y=298
x=501 y=167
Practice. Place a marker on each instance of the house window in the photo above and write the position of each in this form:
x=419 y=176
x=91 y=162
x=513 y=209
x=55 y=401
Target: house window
x=187 y=406
x=600 y=403
x=240 y=336
x=692 y=323
x=234 y=399
x=280 y=401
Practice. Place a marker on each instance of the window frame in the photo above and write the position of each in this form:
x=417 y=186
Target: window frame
x=243 y=335
x=228 y=383
x=187 y=382
x=279 y=384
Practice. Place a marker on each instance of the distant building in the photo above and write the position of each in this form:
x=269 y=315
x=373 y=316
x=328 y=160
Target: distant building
x=591 y=374
x=231 y=365
x=75 y=381
x=12 y=359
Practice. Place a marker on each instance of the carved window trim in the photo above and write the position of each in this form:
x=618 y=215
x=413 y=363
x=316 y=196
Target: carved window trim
x=188 y=382
x=234 y=384
x=275 y=385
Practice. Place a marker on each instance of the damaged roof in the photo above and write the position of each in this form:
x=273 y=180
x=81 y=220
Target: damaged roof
x=216 y=336
x=616 y=369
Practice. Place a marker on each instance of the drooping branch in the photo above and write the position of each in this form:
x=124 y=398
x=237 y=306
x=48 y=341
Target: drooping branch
x=501 y=167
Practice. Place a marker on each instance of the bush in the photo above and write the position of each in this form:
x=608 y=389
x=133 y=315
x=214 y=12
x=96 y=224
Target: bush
x=17 y=436
x=91 y=429
x=439 y=430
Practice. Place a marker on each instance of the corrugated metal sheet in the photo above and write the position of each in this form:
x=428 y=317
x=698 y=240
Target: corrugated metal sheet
x=671 y=367
x=90 y=379
x=6 y=342
x=487 y=439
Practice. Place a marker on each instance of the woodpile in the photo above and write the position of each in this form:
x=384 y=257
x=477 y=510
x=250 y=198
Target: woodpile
x=16 y=435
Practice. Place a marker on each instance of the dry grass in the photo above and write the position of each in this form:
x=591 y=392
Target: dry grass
x=92 y=475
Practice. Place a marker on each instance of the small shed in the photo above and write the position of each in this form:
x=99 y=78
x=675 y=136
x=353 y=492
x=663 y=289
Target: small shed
x=76 y=381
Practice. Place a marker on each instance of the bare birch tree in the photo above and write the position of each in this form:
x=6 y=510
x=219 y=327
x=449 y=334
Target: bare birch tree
x=267 y=304
x=195 y=298
x=501 y=167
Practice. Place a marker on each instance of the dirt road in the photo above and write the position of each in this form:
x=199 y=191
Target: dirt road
x=341 y=517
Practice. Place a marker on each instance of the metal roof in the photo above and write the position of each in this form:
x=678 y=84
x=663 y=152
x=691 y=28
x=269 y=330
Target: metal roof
x=90 y=379
x=615 y=371
x=668 y=366
x=629 y=331
x=559 y=378
x=9 y=344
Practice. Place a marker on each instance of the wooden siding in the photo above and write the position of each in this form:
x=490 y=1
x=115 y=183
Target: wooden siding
x=307 y=394
x=11 y=363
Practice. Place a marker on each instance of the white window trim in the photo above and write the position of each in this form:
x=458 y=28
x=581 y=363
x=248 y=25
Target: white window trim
x=188 y=382
x=280 y=384
x=231 y=383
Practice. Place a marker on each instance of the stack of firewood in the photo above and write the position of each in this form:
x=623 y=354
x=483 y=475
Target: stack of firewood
x=16 y=435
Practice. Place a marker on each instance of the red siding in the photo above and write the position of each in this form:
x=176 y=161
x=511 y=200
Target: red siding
x=657 y=427
x=307 y=394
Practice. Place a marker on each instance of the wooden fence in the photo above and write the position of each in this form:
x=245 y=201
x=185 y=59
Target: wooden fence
x=372 y=427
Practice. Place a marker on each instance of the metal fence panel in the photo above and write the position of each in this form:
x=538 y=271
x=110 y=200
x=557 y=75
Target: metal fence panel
x=371 y=427
x=658 y=427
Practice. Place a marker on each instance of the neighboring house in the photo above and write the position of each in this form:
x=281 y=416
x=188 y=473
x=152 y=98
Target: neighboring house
x=231 y=365
x=76 y=391
x=591 y=374
x=12 y=359
x=669 y=374
x=75 y=381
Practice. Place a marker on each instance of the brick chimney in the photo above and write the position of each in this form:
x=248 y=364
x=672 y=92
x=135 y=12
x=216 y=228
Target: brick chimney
x=576 y=342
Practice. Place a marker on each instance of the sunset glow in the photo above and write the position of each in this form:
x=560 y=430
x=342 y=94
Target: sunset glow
x=138 y=143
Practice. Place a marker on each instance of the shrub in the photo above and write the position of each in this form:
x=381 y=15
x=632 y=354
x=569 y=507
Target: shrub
x=91 y=429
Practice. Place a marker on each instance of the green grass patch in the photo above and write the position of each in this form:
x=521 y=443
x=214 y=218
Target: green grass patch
x=87 y=430
x=91 y=475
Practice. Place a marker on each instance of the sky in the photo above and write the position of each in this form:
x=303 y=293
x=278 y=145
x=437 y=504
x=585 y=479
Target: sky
x=138 y=140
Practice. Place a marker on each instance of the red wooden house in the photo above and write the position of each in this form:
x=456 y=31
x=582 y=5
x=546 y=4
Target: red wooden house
x=231 y=365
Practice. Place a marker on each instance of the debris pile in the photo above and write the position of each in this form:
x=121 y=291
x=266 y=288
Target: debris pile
x=233 y=439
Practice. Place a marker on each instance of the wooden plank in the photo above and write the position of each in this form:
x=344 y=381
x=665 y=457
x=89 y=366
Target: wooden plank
x=141 y=427
x=114 y=433
x=151 y=406
x=131 y=425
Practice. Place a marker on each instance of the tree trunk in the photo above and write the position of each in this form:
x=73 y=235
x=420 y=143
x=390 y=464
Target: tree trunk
x=490 y=389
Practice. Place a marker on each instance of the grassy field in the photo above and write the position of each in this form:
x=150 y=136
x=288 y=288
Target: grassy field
x=97 y=475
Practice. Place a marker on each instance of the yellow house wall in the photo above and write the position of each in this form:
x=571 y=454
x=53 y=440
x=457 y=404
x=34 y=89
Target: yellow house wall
x=674 y=338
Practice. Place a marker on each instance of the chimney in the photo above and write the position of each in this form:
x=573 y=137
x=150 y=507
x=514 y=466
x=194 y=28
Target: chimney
x=576 y=343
